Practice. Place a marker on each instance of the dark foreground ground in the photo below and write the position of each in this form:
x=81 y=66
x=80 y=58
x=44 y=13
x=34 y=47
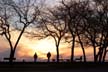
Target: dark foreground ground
x=53 y=67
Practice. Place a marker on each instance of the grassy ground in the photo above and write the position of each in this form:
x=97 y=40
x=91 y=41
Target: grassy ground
x=53 y=67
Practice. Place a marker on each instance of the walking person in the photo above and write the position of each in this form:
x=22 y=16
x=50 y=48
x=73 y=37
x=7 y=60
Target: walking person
x=35 y=57
x=48 y=56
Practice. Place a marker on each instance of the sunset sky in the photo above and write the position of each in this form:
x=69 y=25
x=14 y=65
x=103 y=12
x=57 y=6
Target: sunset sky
x=28 y=46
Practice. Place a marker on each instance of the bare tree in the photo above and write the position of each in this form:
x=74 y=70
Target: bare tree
x=102 y=10
x=26 y=12
x=87 y=19
x=73 y=11
x=54 y=26
x=96 y=28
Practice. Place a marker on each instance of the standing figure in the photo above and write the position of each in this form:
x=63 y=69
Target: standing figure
x=35 y=57
x=48 y=56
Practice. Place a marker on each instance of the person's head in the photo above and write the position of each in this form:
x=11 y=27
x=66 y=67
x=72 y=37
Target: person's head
x=48 y=54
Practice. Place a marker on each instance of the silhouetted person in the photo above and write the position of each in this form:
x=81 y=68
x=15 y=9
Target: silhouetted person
x=48 y=56
x=23 y=60
x=35 y=57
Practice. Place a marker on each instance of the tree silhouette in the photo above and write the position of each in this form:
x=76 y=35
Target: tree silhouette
x=84 y=22
x=103 y=23
x=72 y=10
x=22 y=11
x=88 y=20
x=54 y=27
x=96 y=29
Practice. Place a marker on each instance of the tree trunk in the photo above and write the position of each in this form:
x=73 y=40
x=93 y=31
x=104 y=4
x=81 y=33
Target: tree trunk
x=14 y=49
x=11 y=56
x=72 y=50
x=94 y=51
x=99 y=55
x=105 y=52
x=102 y=51
x=82 y=47
x=57 y=49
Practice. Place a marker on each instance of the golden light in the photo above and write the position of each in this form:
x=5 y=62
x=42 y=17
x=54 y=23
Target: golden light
x=44 y=45
x=27 y=47
x=41 y=47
